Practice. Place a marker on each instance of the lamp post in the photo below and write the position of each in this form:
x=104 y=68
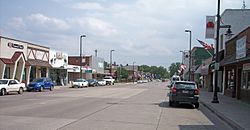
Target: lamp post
x=81 y=54
x=133 y=72
x=111 y=61
x=190 y=41
x=215 y=97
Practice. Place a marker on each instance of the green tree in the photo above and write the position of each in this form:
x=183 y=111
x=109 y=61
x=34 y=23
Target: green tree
x=173 y=68
x=160 y=72
x=122 y=72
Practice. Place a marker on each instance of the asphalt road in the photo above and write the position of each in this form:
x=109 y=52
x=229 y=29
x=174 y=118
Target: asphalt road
x=119 y=107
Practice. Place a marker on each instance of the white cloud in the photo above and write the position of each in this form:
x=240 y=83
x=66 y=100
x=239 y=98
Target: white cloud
x=88 y=6
x=17 y=22
x=42 y=21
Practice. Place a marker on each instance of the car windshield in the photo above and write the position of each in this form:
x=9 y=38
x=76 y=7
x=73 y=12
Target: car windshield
x=79 y=80
x=185 y=86
x=90 y=80
x=3 y=81
x=107 y=77
x=38 y=80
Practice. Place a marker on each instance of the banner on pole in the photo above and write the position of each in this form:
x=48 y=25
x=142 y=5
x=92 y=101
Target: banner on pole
x=210 y=27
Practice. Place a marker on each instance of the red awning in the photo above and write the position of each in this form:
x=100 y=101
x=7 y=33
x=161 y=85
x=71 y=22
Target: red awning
x=33 y=62
x=6 y=61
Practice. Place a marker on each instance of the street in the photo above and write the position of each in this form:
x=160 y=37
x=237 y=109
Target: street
x=122 y=106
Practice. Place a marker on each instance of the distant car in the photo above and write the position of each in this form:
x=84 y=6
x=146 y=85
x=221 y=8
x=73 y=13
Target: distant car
x=11 y=85
x=109 y=80
x=80 y=83
x=184 y=92
x=102 y=82
x=40 y=84
x=92 y=82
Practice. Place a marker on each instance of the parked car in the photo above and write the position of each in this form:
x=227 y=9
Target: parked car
x=184 y=92
x=11 y=85
x=102 y=82
x=92 y=82
x=40 y=84
x=109 y=80
x=80 y=83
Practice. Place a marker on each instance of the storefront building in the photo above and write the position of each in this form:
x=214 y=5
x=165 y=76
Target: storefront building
x=37 y=63
x=12 y=58
x=92 y=67
x=59 y=62
x=236 y=63
x=22 y=60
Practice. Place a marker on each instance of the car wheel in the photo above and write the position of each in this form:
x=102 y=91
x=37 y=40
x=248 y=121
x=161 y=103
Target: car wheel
x=20 y=91
x=3 y=92
x=41 y=89
x=196 y=105
x=51 y=88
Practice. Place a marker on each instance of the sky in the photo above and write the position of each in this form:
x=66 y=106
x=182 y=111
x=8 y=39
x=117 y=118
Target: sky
x=147 y=32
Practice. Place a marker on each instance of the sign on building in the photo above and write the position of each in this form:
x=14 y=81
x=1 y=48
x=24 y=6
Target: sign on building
x=241 y=48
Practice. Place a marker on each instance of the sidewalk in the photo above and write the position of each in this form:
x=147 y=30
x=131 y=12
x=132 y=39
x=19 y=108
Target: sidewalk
x=234 y=112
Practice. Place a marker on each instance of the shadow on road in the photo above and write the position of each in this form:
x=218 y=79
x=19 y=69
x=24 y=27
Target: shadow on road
x=165 y=104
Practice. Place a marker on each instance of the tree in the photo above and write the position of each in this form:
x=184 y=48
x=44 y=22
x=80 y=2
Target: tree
x=173 y=68
x=160 y=72
x=122 y=72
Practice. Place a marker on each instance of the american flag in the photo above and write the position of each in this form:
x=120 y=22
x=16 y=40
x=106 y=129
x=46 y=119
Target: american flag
x=205 y=45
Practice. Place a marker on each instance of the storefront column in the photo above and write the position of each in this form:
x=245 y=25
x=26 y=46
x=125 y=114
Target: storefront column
x=12 y=71
x=28 y=69
x=238 y=81
x=47 y=72
x=224 y=80
x=2 y=69
x=38 y=72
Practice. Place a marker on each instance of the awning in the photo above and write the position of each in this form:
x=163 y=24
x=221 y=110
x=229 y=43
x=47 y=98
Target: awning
x=7 y=61
x=33 y=62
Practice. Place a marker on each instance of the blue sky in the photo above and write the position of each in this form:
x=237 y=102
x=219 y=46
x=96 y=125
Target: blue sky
x=147 y=32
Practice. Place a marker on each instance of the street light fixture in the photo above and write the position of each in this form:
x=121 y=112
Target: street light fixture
x=190 y=41
x=81 y=54
x=111 y=61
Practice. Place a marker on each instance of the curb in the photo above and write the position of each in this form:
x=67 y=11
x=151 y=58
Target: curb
x=230 y=122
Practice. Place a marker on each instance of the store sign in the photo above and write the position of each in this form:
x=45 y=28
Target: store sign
x=210 y=29
x=13 y=45
x=246 y=66
x=241 y=48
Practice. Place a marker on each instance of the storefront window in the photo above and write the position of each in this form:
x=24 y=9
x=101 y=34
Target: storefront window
x=24 y=74
x=7 y=73
x=246 y=80
x=43 y=72
x=230 y=79
x=32 y=73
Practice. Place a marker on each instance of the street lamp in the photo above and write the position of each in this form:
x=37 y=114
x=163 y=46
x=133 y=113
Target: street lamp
x=189 y=66
x=81 y=54
x=133 y=72
x=111 y=61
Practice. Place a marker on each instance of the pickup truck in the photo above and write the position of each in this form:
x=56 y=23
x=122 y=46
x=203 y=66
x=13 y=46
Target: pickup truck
x=109 y=80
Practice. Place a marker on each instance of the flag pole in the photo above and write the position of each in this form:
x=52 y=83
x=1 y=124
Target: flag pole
x=209 y=52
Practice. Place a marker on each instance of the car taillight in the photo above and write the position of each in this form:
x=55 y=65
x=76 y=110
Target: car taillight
x=196 y=91
x=173 y=90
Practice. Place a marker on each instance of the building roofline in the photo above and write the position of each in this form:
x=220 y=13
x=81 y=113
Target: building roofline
x=23 y=41
x=226 y=10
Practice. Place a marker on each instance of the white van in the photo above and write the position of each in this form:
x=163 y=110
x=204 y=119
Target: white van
x=175 y=78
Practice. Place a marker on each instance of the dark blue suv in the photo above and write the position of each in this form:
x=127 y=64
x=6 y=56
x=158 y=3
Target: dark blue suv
x=41 y=84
